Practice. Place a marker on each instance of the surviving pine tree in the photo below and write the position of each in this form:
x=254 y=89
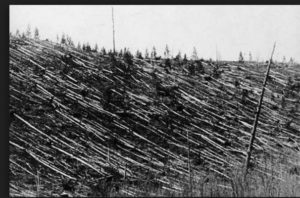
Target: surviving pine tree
x=28 y=31
x=79 y=46
x=153 y=53
x=241 y=58
x=63 y=39
x=195 y=54
x=69 y=41
x=167 y=52
x=138 y=55
x=18 y=33
x=36 y=34
x=250 y=56
x=103 y=51
x=96 y=48
x=185 y=59
x=57 y=38
x=178 y=56
x=283 y=59
x=146 y=54
x=128 y=58
x=88 y=47
x=121 y=53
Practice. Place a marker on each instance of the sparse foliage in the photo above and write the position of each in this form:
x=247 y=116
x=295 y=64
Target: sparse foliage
x=57 y=38
x=36 y=33
x=138 y=54
x=250 y=56
x=121 y=53
x=185 y=59
x=178 y=56
x=167 y=52
x=63 y=39
x=153 y=53
x=69 y=41
x=128 y=58
x=79 y=46
x=194 y=54
x=241 y=58
x=283 y=59
x=95 y=48
x=88 y=47
x=146 y=54
x=199 y=67
x=125 y=50
x=28 y=31
x=18 y=33
x=291 y=61
x=103 y=51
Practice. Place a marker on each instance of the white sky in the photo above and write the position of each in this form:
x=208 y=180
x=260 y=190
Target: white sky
x=228 y=28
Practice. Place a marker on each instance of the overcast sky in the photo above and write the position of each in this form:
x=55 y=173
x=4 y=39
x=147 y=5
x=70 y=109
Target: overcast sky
x=228 y=29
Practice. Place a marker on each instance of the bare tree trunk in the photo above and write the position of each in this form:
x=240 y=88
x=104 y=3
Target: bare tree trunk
x=113 y=22
x=257 y=116
x=216 y=54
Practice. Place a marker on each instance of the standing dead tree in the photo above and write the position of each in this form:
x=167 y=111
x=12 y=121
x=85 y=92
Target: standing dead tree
x=257 y=116
x=113 y=23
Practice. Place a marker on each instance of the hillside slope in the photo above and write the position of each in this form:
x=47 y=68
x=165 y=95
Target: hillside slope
x=85 y=116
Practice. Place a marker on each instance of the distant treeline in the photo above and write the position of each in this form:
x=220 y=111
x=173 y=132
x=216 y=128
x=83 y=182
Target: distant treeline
x=65 y=39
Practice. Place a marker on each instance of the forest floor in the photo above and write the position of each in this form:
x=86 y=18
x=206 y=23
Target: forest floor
x=97 y=125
